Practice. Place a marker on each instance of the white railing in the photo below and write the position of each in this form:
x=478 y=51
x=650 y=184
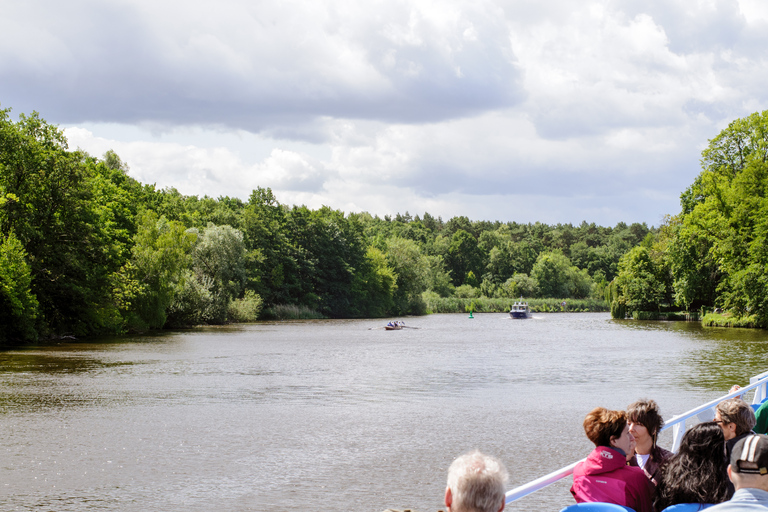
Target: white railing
x=678 y=423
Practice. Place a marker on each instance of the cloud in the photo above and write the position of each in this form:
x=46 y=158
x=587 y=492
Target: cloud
x=256 y=66
x=554 y=111
x=212 y=171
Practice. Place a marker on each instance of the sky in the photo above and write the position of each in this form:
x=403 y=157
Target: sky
x=556 y=111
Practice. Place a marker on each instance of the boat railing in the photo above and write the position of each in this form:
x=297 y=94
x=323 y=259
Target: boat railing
x=758 y=383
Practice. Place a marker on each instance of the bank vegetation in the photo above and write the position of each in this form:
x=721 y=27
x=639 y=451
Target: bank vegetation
x=713 y=254
x=85 y=249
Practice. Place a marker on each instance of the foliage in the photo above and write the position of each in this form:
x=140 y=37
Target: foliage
x=292 y=312
x=156 y=272
x=374 y=285
x=464 y=258
x=245 y=309
x=556 y=277
x=640 y=281
x=18 y=306
x=715 y=251
x=87 y=249
x=437 y=304
x=218 y=264
x=411 y=269
x=719 y=320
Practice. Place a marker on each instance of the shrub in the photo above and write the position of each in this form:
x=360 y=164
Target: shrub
x=292 y=312
x=246 y=309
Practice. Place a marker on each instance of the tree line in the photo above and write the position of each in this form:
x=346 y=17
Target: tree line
x=714 y=252
x=86 y=249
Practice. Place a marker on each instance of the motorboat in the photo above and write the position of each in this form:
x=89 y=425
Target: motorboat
x=520 y=310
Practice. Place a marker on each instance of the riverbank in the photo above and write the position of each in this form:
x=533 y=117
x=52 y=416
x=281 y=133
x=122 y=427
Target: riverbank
x=437 y=304
x=728 y=320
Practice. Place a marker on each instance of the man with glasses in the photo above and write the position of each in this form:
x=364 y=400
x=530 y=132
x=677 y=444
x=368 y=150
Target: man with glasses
x=736 y=418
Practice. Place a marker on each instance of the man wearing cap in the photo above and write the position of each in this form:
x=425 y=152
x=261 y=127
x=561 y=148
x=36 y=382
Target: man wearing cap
x=748 y=471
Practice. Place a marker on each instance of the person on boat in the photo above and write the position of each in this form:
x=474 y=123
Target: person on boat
x=645 y=423
x=761 y=419
x=476 y=483
x=736 y=418
x=695 y=474
x=605 y=476
x=748 y=470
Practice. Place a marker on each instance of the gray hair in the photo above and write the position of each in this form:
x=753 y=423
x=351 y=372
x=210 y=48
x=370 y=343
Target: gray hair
x=736 y=410
x=477 y=483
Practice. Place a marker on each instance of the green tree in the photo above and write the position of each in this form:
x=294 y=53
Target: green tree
x=18 y=305
x=464 y=256
x=374 y=286
x=150 y=281
x=640 y=281
x=218 y=263
x=64 y=208
x=411 y=270
x=551 y=272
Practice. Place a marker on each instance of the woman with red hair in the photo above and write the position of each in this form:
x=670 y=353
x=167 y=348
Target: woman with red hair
x=605 y=476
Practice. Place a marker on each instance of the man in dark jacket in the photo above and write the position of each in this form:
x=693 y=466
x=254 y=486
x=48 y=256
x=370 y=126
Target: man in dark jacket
x=736 y=418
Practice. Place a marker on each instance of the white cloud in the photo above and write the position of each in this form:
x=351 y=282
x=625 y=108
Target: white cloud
x=556 y=111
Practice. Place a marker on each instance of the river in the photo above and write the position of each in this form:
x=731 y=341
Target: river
x=336 y=414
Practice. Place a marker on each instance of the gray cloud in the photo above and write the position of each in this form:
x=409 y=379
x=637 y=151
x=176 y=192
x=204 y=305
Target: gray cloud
x=594 y=109
x=256 y=68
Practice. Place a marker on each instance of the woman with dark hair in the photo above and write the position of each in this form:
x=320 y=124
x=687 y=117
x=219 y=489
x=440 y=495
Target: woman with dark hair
x=645 y=422
x=695 y=474
x=604 y=476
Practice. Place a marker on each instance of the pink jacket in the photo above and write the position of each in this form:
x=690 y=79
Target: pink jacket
x=605 y=477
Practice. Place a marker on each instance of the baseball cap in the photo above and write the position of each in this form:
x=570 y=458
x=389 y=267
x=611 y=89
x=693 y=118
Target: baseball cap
x=750 y=455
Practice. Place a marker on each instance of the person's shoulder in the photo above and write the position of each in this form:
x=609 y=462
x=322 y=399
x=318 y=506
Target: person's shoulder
x=662 y=454
x=636 y=475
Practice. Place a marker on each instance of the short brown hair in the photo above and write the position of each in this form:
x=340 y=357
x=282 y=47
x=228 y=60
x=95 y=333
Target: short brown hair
x=601 y=425
x=736 y=410
x=646 y=413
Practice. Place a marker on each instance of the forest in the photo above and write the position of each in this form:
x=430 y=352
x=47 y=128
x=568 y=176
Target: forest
x=713 y=254
x=86 y=249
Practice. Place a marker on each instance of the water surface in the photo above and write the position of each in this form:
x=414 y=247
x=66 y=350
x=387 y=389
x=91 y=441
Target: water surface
x=304 y=415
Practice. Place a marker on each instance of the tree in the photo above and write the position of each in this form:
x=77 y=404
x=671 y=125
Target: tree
x=218 y=263
x=464 y=256
x=718 y=253
x=520 y=285
x=18 y=305
x=640 y=281
x=551 y=273
x=148 y=284
x=276 y=268
x=411 y=270
x=66 y=211
x=374 y=286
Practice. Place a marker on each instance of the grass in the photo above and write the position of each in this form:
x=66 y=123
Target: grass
x=728 y=320
x=436 y=304
x=291 y=312
x=682 y=316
